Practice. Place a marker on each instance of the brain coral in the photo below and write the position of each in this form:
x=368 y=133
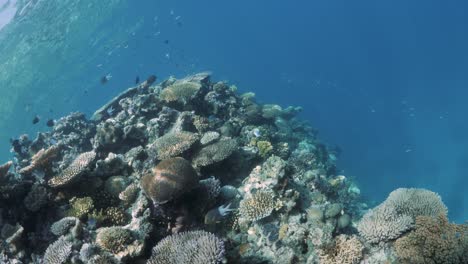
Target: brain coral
x=434 y=240
x=169 y=179
x=195 y=247
x=74 y=170
x=396 y=215
x=258 y=206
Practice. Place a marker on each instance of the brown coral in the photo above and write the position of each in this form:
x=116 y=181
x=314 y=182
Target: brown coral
x=72 y=172
x=169 y=179
x=346 y=250
x=434 y=240
x=41 y=159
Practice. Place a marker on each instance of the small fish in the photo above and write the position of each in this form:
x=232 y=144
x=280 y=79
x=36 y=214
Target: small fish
x=35 y=120
x=50 y=123
x=105 y=78
x=217 y=214
x=166 y=41
x=137 y=79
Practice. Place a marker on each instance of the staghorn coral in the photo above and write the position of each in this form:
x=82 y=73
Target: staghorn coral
x=74 y=170
x=346 y=250
x=173 y=144
x=434 y=241
x=195 y=247
x=41 y=159
x=258 y=206
x=397 y=213
x=169 y=179
x=36 y=198
x=58 y=252
x=214 y=153
x=180 y=91
x=114 y=239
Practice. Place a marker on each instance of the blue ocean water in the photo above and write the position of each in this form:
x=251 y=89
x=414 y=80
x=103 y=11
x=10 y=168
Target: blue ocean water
x=386 y=81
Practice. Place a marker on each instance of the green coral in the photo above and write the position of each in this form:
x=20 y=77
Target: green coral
x=264 y=148
x=109 y=216
x=81 y=207
x=114 y=239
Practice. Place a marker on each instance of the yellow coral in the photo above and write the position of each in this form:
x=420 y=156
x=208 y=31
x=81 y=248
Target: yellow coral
x=259 y=206
x=264 y=148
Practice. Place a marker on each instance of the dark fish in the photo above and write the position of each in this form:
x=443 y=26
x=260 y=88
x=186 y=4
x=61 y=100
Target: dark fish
x=35 y=120
x=151 y=80
x=50 y=123
x=104 y=79
x=166 y=41
x=137 y=79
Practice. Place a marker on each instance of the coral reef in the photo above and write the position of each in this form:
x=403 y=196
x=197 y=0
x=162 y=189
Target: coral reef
x=199 y=173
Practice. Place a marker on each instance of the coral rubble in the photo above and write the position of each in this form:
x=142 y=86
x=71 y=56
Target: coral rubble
x=190 y=171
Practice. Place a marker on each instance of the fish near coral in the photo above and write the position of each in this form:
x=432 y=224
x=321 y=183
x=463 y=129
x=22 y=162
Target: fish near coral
x=169 y=179
x=216 y=215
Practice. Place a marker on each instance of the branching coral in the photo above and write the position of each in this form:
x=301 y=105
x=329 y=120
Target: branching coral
x=215 y=152
x=58 y=252
x=195 y=247
x=434 y=241
x=41 y=159
x=258 y=206
x=81 y=207
x=346 y=250
x=74 y=170
x=173 y=144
